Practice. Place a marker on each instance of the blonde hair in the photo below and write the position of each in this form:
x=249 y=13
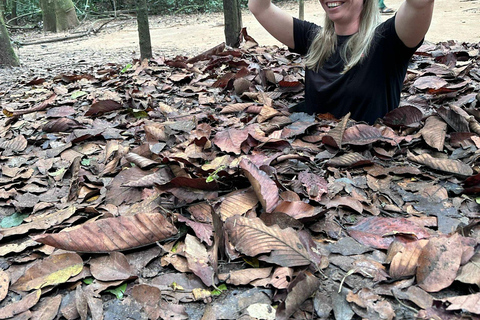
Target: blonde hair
x=356 y=47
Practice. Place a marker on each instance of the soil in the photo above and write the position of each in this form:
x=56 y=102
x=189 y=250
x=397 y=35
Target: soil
x=189 y=35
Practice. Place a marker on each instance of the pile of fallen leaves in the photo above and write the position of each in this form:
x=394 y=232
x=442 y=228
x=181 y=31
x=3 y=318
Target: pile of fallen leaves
x=184 y=189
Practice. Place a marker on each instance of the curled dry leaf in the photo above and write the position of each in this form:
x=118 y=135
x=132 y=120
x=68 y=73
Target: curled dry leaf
x=300 y=290
x=237 y=203
x=112 y=234
x=334 y=137
x=439 y=263
x=280 y=246
x=404 y=258
x=198 y=260
x=50 y=271
x=446 y=165
x=470 y=273
x=264 y=187
x=282 y=277
x=245 y=276
x=142 y=162
x=434 y=132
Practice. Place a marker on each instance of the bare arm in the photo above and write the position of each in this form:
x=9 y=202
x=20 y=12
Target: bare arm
x=413 y=20
x=277 y=22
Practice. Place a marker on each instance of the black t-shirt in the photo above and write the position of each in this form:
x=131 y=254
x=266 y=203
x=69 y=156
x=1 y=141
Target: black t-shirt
x=370 y=89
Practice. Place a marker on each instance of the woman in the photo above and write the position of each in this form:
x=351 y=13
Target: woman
x=353 y=64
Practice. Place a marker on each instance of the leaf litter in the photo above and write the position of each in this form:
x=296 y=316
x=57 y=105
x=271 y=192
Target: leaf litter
x=184 y=188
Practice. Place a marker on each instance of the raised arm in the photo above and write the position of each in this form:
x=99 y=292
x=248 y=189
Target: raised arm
x=413 y=20
x=277 y=22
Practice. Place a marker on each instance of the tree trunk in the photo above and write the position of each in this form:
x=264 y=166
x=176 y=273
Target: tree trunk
x=14 y=13
x=233 y=22
x=3 y=8
x=58 y=15
x=65 y=14
x=301 y=10
x=7 y=54
x=143 y=30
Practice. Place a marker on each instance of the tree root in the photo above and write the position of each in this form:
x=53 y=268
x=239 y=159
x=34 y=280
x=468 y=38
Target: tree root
x=75 y=36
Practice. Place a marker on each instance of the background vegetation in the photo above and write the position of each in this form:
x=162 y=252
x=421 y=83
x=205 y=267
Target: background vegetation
x=28 y=11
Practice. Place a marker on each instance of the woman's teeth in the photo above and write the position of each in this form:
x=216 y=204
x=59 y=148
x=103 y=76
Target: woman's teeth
x=333 y=4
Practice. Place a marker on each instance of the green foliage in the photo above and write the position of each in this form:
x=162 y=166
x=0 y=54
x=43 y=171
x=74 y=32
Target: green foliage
x=221 y=288
x=118 y=291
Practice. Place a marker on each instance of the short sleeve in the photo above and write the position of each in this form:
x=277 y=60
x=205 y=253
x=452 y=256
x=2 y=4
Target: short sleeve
x=389 y=33
x=303 y=34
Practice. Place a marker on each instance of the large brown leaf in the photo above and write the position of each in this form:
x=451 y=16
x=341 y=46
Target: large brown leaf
x=112 y=267
x=112 y=234
x=53 y=270
x=230 y=140
x=446 y=165
x=439 y=263
x=361 y=134
x=271 y=244
x=379 y=232
x=264 y=187
x=403 y=116
x=102 y=107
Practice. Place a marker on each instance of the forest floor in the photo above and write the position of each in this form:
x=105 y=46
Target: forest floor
x=188 y=35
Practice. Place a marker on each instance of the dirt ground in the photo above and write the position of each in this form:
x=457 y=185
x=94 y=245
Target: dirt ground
x=191 y=34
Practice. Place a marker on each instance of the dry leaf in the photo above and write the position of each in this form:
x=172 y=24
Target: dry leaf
x=439 y=263
x=53 y=270
x=112 y=234
x=280 y=246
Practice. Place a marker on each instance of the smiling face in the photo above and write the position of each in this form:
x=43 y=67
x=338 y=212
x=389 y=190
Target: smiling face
x=345 y=14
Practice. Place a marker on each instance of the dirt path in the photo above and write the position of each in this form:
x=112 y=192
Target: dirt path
x=191 y=34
